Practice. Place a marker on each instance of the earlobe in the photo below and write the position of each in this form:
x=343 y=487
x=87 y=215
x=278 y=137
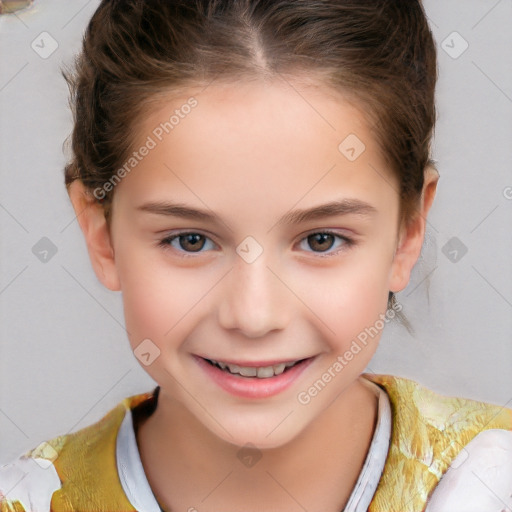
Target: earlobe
x=412 y=235
x=91 y=217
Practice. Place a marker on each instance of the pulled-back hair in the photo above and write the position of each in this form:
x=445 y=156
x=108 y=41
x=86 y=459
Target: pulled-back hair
x=378 y=53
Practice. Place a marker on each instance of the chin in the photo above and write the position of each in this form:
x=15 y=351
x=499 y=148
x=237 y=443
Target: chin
x=263 y=435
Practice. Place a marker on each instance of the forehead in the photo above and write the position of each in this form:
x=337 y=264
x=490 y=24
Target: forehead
x=268 y=141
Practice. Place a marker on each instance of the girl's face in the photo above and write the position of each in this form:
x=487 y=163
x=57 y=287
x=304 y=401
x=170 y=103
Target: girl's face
x=258 y=231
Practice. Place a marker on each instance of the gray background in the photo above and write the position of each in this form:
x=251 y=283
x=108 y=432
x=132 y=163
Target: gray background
x=64 y=356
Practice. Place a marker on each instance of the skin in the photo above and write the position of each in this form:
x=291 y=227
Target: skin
x=251 y=153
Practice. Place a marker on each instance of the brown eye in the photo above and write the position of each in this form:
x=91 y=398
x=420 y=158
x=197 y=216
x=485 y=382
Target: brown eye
x=188 y=243
x=320 y=242
x=326 y=243
x=191 y=242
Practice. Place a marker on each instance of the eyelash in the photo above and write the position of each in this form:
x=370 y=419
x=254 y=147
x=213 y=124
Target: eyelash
x=347 y=243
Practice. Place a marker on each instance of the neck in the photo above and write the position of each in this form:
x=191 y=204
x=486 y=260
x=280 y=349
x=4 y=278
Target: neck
x=185 y=462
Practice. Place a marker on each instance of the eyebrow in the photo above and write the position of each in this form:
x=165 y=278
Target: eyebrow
x=341 y=207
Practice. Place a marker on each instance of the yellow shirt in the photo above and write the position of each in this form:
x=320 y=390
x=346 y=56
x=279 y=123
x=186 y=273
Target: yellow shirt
x=428 y=432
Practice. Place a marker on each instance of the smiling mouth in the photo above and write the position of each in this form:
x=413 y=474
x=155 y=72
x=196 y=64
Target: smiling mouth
x=260 y=372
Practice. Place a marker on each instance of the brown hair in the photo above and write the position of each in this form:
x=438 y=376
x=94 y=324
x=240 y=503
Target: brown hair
x=381 y=53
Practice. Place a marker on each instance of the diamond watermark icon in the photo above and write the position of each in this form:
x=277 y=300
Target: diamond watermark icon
x=454 y=45
x=249 y=249
x=146 y=352
x=351 y=147
x=44 y=45
x=44 y=250
x=249 y=455
x=454 y=249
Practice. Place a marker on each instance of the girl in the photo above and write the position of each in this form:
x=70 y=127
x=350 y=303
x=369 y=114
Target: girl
x=254 y=176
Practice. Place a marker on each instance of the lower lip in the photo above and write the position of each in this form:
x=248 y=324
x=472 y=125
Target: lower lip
x=253 y=387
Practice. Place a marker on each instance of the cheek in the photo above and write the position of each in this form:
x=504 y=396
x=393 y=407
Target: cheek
x=348 y=300
x=157 y=300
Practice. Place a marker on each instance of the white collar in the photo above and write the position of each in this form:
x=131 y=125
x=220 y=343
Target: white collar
x=138 y=491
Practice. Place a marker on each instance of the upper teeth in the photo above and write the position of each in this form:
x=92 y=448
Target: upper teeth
x=261 y=372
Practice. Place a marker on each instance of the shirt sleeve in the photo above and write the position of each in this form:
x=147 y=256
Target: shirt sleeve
x=479 y=479
x=27 y=485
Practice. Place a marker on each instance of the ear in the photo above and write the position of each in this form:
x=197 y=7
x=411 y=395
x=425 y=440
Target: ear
x=91 y=217
x=412 y=235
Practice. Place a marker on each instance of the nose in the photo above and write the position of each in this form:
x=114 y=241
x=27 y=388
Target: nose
x=254 y=301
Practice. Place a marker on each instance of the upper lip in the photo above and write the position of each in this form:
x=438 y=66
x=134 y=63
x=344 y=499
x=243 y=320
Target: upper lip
x=256 y=364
